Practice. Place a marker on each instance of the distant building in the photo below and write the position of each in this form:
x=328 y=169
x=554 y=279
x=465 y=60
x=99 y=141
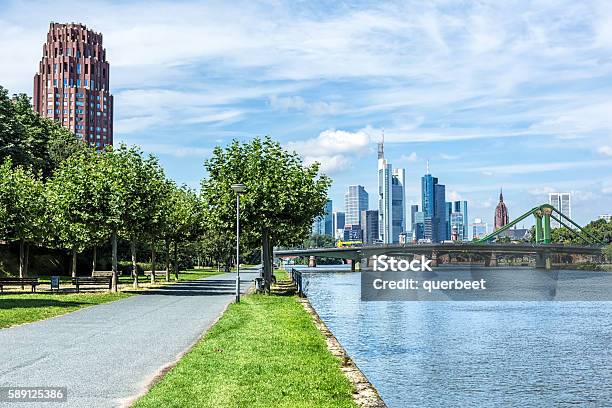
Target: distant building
x=418 y=228
x=338 y=220
x=606 y=217
x=369 y=226
x=501 y=213
x=433 y=206
x=323 y=224
x=352 y=233
x=413 y=210
x=355 y=201
x=459 y=219
x=517 y=234
x=71 y=86
x=391 y=201
x=479 y=228
x=563 y=203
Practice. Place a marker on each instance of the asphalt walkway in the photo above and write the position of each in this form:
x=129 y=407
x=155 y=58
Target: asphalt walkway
x=106 y=354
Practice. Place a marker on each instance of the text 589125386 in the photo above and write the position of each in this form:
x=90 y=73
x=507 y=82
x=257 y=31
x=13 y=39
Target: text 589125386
x=33 y=394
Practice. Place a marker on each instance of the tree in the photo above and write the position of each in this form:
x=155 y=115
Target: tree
x=76 y=197
x=183 y=220
x=283 y=196
x=22 y=206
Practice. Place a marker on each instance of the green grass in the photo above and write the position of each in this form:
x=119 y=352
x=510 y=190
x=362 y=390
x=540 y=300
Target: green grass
x=263 y=352
x=18 y=308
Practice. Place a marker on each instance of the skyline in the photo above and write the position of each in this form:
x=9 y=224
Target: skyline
x=513 y=96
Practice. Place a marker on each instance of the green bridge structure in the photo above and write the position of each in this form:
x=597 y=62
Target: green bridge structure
x=483 y=250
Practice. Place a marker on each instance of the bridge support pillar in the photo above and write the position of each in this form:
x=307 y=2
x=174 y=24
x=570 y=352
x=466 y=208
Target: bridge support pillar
x=365 y=264
x=434 y=258
x=312 y=261
x=543 y=260
x=353 y=264
x=491 y=260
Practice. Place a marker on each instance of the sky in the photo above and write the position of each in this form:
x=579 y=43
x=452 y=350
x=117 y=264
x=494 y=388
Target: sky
x=514 y=94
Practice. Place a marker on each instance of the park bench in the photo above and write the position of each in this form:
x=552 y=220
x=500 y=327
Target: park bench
x=157 y=273
x=18 y=282
x=92 y=281
x=104 y=274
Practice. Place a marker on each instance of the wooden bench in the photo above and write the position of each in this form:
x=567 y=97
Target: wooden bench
x=105 y=274
x=95 y=281
x=18 y=282
x=157 y=273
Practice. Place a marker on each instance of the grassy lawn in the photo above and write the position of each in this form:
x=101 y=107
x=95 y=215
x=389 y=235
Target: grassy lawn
x=18 y=308
x=263 y=352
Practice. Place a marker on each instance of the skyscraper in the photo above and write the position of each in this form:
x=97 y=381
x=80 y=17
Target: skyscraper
x=433 y=206
x=355 y=201
x=391 y=193
x=563 y=203
x=323 y=224
x=72 y=83
x=369 y=226
x=459 y=219
x=338 y=224
x=501 y=212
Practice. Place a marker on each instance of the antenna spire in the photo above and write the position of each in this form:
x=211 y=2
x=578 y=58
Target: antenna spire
x=427 y=167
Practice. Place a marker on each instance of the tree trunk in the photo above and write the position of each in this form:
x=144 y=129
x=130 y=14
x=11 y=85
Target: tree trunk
x=134 y=266
x=167 y=261
x=176 y=265
x=266 y=259
x=93 y=260
x=21 y=258
x=74 y=262
x=153 y=262
x=26 y=265
x=114 y=245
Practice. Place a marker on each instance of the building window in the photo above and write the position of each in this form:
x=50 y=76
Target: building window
x=78 y=69
x=78 y=83
x=50 y=112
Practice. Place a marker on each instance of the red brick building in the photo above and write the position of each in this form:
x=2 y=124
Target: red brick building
x=501 y=213
x=72 y=83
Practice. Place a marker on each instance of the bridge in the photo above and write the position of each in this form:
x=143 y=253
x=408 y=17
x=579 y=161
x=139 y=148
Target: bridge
x=481 y=250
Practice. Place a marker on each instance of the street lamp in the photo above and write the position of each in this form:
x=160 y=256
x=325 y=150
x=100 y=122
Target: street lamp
x=238 y=188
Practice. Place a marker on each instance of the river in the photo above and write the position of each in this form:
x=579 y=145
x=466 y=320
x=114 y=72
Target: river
x=471 y=353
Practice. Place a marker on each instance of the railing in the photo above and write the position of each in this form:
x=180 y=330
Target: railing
x=296 y=278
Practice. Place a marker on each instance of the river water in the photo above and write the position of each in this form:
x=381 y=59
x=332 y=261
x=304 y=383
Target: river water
x=471 y=353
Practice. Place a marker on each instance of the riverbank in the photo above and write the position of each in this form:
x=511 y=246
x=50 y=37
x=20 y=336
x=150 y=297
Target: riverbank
x=19 y=307
x=264 y=351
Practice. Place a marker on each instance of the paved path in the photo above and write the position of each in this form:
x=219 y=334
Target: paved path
x=108 y=353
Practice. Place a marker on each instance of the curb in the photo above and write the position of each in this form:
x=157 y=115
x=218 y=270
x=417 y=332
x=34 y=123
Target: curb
x=365 y=395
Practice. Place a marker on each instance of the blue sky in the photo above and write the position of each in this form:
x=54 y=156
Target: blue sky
x=512 y=94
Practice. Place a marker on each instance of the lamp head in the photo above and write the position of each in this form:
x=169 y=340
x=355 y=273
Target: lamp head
x=239 y=188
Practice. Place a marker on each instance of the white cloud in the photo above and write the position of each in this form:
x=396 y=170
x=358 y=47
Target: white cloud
x=332 y=148
x=410 y=158
x=605 y=150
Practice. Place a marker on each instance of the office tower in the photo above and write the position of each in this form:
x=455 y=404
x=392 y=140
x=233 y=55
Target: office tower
x=606 y=217
x=338 y=224
x=369 y=226
x=458 y=219
x=448 y=210
x=563 y=203
x=398 y=206
x=355 y=201
x=391 y=193
x=479 y=228
x=433 y=206
x=72 y=83
x=413 y=210
x=323 y=224
x=501 y=213
x=418 y=228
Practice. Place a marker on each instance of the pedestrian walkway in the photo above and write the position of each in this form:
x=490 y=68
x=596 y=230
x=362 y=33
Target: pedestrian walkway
x=107 y=354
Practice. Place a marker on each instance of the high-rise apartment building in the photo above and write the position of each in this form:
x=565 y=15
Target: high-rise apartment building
x=369 y=226
x=355 y=201
x=72 y=83
x=391 y=199
x=323 y=224
x=563 y=203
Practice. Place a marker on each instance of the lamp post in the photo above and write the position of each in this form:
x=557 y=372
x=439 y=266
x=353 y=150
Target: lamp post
x=238 y=188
